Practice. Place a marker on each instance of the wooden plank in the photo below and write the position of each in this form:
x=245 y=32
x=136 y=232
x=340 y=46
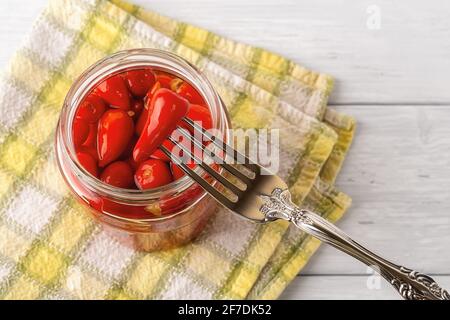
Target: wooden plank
x=346 y=288
x=398 y=174
x=406 y=60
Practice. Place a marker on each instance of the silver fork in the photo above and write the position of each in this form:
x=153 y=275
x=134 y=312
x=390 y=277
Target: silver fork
x=264 y=197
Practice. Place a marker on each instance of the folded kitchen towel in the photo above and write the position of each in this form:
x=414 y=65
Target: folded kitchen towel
x=49 y=246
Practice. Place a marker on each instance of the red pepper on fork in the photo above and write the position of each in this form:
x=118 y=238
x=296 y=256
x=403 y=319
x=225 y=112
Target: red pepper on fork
x=166 y=109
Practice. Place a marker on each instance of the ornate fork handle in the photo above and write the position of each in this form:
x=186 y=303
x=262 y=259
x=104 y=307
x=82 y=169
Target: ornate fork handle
x=411 y=285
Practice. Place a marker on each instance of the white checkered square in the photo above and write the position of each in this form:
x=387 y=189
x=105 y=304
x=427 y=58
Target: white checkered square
x=287 y=162
x=71 y=13
x=48 y=42
x=5 y=270
x=181 y=287
x=230 y=231
x=14 y=102
x=84 y=285
x=150 y=37
x=107 y=255
x=58 y=295
x=31 y=209
x=237 y=68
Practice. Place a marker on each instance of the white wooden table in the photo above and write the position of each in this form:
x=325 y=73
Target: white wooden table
x=393 y=77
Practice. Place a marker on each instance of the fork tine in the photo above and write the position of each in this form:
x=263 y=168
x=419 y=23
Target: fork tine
x=241 y=176
x=220 y=144
x=202 y=182
x=224 y=181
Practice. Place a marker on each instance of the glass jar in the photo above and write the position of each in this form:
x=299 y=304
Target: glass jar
x=148 y=220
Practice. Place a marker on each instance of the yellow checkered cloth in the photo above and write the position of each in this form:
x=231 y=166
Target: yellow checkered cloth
x=49 y=246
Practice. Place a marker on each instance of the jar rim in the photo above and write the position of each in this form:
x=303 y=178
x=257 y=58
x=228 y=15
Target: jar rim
x=117 y=63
